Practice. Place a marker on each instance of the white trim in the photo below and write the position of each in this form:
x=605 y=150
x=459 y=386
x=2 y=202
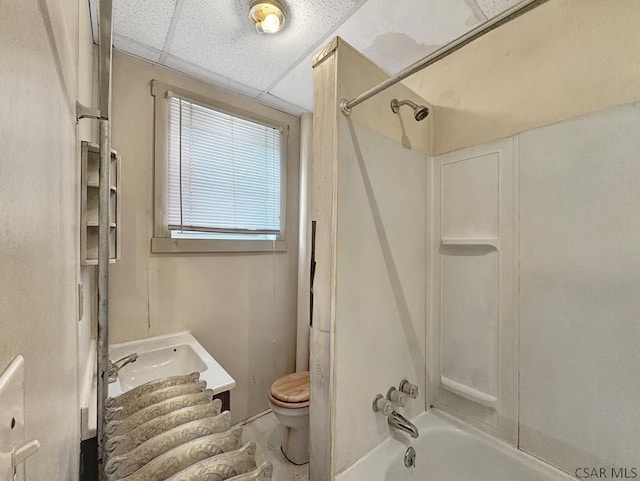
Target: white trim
x=167 y=245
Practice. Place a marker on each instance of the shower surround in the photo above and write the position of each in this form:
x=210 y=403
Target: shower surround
x=492 y=281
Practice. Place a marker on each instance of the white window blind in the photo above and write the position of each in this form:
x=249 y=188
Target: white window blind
x=224 y=173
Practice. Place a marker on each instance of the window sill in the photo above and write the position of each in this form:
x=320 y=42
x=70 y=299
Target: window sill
x=168 y=245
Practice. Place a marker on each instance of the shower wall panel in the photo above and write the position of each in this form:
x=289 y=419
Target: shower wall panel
x=472 y=335
x=580 y=291
x=535 y=268
x=369 y=200
x=380 y=284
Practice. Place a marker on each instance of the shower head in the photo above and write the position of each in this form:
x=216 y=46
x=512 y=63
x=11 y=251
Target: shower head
x=420 y=112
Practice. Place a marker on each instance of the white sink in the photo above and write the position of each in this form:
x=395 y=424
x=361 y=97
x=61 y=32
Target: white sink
x=170 y=361
x=170 y=355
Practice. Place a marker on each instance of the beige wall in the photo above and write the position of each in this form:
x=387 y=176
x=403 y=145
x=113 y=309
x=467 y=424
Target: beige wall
x=241 y=307
x=46 y=67
x=356 y=75
x=564 y=59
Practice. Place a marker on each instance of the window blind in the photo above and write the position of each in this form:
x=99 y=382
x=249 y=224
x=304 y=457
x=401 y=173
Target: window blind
x=224 y=172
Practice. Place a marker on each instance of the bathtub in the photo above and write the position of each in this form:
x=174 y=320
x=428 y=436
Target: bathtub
x=449 y=451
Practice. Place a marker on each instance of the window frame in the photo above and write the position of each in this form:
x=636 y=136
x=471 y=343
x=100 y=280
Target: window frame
x=162 y=242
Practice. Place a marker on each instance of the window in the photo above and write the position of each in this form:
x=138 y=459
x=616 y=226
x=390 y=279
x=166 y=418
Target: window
x=224 y=174
x=219 y=176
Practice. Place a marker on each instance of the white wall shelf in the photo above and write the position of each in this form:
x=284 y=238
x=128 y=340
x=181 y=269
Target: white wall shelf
x=469 y=241
x=468 y=392
x=89 y=206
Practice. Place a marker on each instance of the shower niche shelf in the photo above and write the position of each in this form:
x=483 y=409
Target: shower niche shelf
x=471 y=241
x=89 y=205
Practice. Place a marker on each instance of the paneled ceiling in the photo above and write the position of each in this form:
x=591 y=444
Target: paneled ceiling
x=214 y=41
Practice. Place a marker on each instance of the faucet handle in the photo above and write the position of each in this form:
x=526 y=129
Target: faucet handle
x=409 y=389
x=398 y=398
x=382 y=405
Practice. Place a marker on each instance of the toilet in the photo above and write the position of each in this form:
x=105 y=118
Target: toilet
x=289 y=399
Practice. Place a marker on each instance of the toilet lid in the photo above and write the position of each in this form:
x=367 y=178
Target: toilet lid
x=292 y=388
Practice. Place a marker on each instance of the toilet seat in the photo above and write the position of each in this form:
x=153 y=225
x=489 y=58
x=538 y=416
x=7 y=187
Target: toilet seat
x=289 y=400
x=291 y=391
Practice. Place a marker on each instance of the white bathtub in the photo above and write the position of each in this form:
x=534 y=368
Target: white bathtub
x=448 y=451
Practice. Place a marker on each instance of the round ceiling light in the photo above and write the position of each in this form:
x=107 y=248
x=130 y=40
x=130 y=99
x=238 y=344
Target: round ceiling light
x=267 y=15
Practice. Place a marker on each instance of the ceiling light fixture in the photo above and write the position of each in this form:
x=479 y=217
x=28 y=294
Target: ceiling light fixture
x=267 y=15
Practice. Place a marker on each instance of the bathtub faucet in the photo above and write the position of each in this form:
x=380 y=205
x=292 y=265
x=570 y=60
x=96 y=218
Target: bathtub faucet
x=114 y=367
x=398 y=421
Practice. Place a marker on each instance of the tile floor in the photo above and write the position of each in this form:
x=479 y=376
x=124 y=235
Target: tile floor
x=265 y=431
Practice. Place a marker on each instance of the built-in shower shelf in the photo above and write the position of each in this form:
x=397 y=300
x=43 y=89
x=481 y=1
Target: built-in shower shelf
x=471 y=241
x=89 y=207
x=468 y=392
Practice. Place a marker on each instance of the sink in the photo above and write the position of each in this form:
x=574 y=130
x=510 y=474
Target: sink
x=169 y=361
x=162 y=356
x=169 y=355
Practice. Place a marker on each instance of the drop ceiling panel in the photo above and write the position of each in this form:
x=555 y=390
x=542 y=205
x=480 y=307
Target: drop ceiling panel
x=214 y=41
x=491 y=8
x=392 y=36
x=144 y=21
x=218 y=36
x=297 y=86
x=209 y=76
x=397 y=37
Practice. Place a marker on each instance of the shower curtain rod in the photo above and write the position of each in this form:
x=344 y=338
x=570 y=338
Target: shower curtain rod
x=347 y=105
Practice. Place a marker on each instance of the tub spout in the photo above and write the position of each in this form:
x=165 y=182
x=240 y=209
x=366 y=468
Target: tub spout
x=398 y=421
x=114 y=367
